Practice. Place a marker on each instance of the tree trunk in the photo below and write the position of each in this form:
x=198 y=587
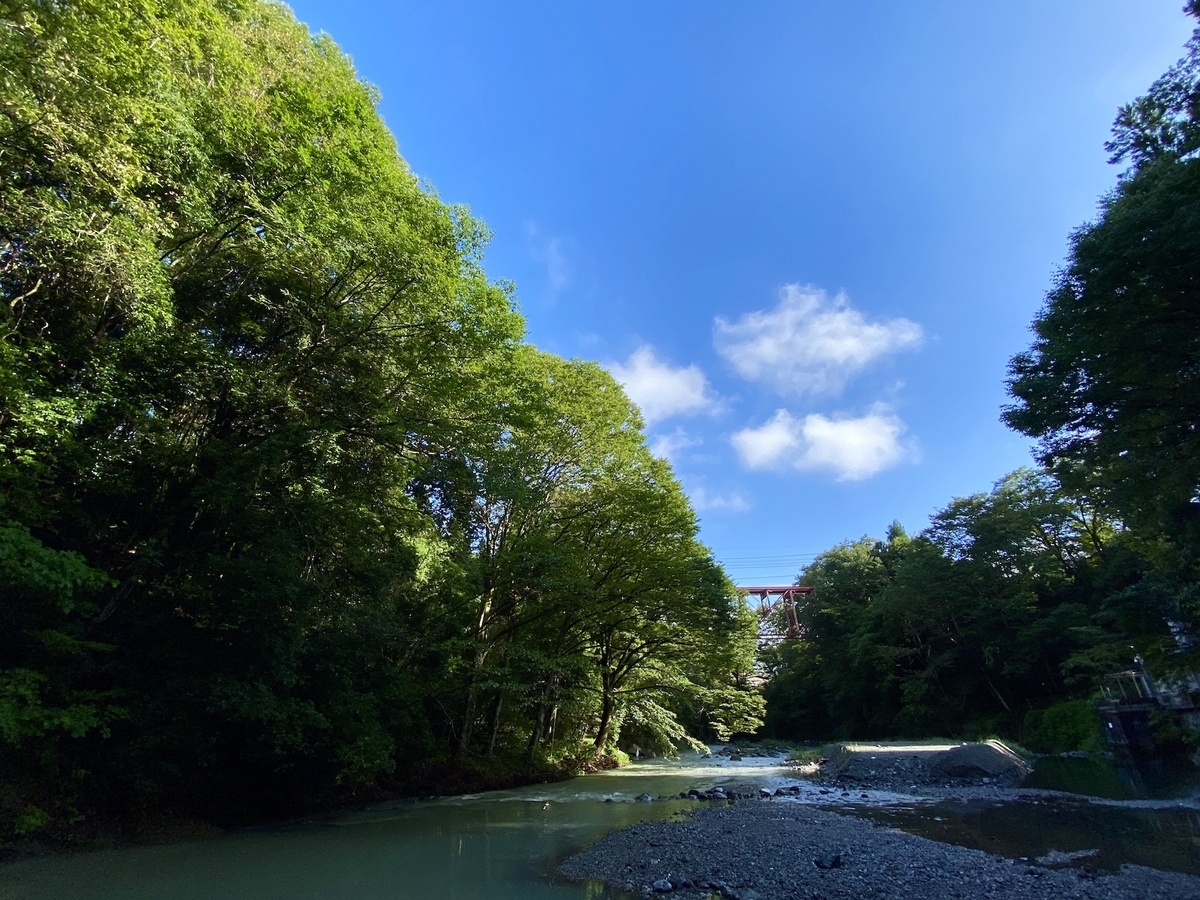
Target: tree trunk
x=607 y=708
x=495 y=723
x=464 y=736
x=996 y=693
x=481 y=654
x=535 y=736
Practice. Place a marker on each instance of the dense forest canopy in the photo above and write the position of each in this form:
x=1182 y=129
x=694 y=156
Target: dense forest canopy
x=1009 y=602
x=288 y=508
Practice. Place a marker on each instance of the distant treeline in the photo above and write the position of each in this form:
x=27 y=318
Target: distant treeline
x=1010 y=601
x=288 y=509
x=1017 y=600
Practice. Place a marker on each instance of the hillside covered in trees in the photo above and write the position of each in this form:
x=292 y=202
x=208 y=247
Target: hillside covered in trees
x=289 y=511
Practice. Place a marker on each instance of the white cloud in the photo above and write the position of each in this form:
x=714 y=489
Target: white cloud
x=770 y=446
x=661 y=390
x=703 y=501
x=671 y=446
x=810 y=343
x=852 y=448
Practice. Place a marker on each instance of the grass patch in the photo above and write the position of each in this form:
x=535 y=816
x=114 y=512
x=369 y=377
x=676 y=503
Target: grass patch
x=805 y=754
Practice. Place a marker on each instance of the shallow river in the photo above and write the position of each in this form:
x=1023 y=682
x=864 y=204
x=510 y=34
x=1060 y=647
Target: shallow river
x=502 y=844
x=497 y=845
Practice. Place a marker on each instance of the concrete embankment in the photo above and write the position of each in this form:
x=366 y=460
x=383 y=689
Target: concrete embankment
x=896 y=766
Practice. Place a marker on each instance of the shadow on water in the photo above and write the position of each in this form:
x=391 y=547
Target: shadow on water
x=1161 y=838
x=1152 y=779
x=499 y=849
x=1164 y=836
x=499 y=846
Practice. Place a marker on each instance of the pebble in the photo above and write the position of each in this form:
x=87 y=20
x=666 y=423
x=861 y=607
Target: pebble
x=766 y=851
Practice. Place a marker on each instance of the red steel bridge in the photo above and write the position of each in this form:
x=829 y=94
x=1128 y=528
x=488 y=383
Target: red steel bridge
x=778 y=597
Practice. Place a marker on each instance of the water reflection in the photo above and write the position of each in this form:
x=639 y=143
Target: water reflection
x=1164 y=838
x=494 y=850
x=502 y=844
x=497 y=845
x=1098 y=777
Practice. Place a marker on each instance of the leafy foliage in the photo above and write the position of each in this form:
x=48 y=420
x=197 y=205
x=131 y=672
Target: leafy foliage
x=1073 y=725
x=287 y=508
x=1109 y=386
x=1010 y=600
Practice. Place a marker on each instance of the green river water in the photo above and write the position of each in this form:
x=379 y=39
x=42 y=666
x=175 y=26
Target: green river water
x=504 y=844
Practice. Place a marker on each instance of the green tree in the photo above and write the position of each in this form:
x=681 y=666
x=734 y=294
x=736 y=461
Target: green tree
x=287 y=508
x=1008 y=600
x=593 y=592
x=1110 y=385
x=234 y=328
x=846 y=579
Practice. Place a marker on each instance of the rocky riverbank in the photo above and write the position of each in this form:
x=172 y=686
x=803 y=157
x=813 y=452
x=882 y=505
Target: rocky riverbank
x=781 y=850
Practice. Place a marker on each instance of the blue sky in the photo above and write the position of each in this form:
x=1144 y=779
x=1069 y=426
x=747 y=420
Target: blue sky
x=808 y=236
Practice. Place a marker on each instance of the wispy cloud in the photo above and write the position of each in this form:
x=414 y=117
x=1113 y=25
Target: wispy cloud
x=851 y=448
x=662 y=390
x=671 y=446
x=551 y=253
x=704 y=501
x=810 y=343
x=558 y=270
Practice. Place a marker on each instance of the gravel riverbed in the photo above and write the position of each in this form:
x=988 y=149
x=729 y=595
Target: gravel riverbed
x=782 y=850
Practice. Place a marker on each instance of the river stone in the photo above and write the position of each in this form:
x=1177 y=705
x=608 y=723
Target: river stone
x=772 y=847
x=663 y=886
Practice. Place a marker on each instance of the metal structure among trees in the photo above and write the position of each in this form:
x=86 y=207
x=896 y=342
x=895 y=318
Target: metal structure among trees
x=776 y=609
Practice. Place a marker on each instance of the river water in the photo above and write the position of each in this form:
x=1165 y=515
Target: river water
x=503 y=844
x=497 y=845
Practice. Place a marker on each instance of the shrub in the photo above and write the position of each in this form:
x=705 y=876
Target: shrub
x=1073 y=725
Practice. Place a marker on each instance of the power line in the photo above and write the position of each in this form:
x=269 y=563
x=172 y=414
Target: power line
x=769 y=559
x=762 y=568
x=768 y=568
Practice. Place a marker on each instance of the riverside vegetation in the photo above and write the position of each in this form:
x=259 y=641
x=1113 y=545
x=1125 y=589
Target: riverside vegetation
x=291 y=514
x=289 y=511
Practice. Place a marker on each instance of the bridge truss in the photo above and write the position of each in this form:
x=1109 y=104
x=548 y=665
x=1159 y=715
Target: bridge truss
x=779 y=598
